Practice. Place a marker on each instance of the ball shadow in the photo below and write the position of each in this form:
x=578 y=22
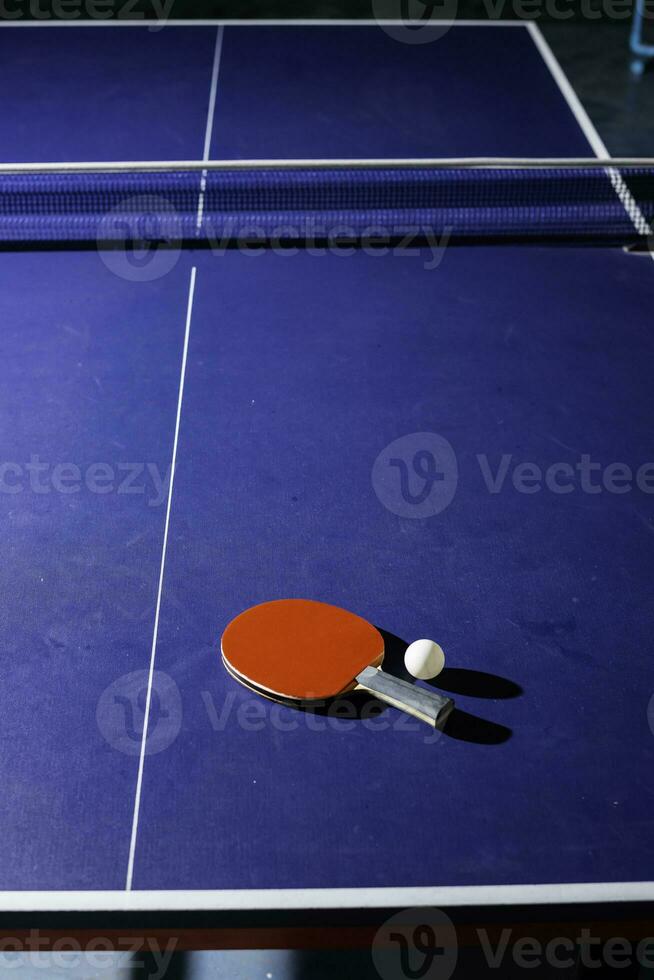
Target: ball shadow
x=461 y=725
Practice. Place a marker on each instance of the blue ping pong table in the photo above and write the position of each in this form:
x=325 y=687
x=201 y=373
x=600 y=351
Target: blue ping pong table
x=454 y=442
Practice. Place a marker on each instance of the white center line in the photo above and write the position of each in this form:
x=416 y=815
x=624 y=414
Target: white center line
x=209 y=127
x=155 y=632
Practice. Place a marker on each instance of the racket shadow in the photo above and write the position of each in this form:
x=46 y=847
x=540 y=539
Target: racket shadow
x=461 y=725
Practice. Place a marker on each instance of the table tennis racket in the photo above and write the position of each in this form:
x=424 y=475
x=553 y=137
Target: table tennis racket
x=300 y=651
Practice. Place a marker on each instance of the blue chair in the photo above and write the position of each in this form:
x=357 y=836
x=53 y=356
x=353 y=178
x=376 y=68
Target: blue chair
x=641 y=50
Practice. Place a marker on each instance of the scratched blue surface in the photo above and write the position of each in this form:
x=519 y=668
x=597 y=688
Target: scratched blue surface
x=548 y=591
x=301 y=370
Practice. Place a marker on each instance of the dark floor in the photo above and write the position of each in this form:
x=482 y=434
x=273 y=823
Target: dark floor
x=595 y=56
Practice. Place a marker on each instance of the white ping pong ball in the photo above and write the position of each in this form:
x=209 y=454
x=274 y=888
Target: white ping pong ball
x=424 y=659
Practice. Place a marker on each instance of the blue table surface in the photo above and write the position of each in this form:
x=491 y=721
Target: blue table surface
x=303 y=368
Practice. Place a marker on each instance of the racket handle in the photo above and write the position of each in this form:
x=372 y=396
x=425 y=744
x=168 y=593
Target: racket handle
x=427 y=706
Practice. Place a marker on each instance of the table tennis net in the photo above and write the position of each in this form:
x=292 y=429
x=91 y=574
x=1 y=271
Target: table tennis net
x=218 y=206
